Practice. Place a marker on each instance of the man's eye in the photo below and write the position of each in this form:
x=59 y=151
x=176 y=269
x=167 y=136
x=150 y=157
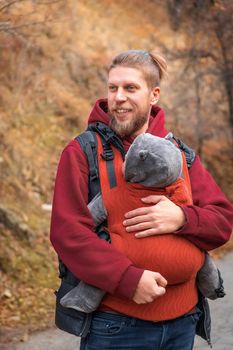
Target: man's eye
x=131 y=88
x=112 y=88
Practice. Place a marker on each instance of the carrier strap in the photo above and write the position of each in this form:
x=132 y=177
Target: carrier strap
x=108 y=138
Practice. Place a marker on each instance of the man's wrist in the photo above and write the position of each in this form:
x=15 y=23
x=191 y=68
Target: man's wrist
x=129 y=282
x=183 y=220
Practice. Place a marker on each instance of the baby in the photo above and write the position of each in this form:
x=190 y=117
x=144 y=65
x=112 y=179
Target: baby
x=152 y=162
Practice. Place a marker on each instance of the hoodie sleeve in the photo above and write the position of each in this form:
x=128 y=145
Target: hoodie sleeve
x=91 y=259
x=209 y=220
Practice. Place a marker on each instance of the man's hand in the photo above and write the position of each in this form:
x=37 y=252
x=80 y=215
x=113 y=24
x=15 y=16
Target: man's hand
x=161 y=218
x=151 y=285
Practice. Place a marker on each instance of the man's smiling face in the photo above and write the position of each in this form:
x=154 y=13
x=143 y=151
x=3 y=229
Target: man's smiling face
x=129 y=101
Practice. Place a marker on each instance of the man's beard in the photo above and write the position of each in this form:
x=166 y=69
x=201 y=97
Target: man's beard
x=128 y=128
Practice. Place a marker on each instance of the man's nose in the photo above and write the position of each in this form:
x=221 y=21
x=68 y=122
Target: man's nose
x=120 y=96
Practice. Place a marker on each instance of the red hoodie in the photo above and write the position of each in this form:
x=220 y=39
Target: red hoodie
x=209 y=220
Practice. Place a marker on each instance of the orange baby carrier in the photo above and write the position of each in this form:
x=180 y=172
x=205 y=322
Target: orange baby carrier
x=176 y=258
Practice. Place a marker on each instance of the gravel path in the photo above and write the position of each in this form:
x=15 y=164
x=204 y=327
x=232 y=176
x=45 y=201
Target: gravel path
x=222 y=311
x=222 y=323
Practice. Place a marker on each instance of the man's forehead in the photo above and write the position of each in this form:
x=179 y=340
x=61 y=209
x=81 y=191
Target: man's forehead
x=125 y=75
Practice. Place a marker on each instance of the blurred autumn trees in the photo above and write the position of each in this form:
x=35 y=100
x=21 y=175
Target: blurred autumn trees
x=19 y=16
x=210 y=25
x=208 y=56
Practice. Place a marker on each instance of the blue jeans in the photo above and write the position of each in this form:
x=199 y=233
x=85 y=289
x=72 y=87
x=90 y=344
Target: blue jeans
x=114 y=331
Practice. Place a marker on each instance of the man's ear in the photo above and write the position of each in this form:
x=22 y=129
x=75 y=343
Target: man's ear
x=155 y=94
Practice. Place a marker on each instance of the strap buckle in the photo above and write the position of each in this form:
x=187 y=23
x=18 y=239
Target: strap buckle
x=107 y=153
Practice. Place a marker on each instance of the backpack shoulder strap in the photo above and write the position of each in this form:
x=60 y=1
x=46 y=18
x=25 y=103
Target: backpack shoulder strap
x=88 y=143
x=188 y=152
x=188 y=156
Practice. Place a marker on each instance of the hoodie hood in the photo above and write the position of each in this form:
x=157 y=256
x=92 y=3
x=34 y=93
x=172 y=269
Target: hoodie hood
x=99 y=112
x=156 y=127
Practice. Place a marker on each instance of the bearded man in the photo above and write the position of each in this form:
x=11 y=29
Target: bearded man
x=131 y=109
